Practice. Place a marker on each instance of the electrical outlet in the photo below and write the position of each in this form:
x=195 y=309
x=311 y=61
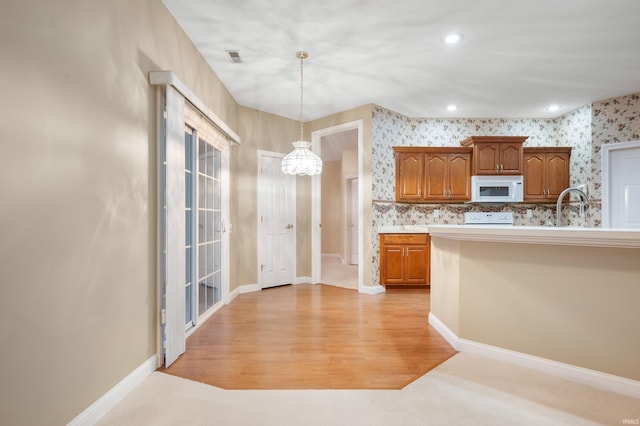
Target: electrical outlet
x=529 y=213
x=436 y=213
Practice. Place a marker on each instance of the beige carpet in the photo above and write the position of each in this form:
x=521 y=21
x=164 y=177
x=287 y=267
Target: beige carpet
x=465 y=390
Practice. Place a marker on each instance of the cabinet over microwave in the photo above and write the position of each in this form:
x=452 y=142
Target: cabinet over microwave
x=496 y=189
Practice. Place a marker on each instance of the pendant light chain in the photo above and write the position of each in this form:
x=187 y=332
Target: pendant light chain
x=301 y=161
x=302 y=56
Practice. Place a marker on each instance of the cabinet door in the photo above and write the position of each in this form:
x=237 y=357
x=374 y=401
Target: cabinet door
x=557 y=174
x=534 y=177
x=436 y=176
x=459 y=176
x=416 y=264
x=487 y=158
x=511 y=158
x=392 y=264
x=409 y=176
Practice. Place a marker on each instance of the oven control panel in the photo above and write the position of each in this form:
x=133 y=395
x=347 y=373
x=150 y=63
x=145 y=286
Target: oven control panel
x=488 y=218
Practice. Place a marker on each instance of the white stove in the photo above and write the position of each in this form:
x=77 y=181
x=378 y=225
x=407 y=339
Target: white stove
x=488 y=218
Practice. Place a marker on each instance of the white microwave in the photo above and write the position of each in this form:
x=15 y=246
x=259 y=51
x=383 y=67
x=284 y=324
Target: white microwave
x=496 y=189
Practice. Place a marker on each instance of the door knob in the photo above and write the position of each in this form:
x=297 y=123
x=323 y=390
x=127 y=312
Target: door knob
x=289 y=226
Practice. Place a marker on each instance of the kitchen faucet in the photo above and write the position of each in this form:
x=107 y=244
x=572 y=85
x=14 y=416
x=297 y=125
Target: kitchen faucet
x=583 y=201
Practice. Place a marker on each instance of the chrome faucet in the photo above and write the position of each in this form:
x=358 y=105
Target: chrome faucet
x=583 y=201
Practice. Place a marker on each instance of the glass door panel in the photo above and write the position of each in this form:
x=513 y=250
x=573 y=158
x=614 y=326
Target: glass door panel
x=209 y=226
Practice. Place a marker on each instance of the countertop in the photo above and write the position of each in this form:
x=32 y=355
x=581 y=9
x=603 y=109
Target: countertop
x=572 y=236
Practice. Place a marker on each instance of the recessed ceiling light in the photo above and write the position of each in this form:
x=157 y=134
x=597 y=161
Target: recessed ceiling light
x=452 y=108
x=453 y=38
x=552 y=108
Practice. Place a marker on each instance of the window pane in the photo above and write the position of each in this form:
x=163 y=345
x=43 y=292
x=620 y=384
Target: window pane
x=187 y=227
x=217 y=285
x=187 y=304
x=209 y=269
x=217 y=195
x=202 y=223
x=202 y=262
x=202 y=191
x=217 y=159
x=210 y=292
x=209 y=193
x=217 y=264
x=187 y=152
x=217 y=231
x=209 y=158
x=210 y=226
x=202 y=147
x=188 y=265
x=187 y=189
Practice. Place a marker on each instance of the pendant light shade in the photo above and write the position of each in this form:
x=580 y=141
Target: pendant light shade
x=301 y=161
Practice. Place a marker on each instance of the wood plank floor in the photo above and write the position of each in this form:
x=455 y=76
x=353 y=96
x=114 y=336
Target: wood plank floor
x=315 y=337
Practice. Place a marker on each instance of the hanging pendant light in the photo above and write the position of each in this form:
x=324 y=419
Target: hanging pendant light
x=301 y=161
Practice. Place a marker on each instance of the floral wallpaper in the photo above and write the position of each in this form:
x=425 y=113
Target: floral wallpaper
x=585 y=129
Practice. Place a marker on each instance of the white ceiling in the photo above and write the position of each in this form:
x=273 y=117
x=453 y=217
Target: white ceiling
x=516 y=56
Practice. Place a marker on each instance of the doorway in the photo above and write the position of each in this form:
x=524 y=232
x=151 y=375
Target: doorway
x=337 y=246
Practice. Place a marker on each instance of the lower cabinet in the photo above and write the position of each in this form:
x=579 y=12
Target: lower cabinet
x=404 y=259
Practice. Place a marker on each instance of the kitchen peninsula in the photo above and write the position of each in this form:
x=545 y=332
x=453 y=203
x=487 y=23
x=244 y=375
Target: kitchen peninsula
x=560 y=298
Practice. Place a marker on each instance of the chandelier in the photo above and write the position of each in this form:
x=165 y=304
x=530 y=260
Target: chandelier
x=301 y=161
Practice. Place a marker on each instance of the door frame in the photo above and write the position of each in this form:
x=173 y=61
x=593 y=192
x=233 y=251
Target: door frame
x=259 y=184
x=316 y=202
x=606 y=159
x=348 y=242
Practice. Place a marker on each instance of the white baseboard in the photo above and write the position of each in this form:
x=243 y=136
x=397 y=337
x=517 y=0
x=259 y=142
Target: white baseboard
x=594 y=378
x=302 y=280
x=248 y=288
x=109 y=400
x=336 y=255
x=375 y=289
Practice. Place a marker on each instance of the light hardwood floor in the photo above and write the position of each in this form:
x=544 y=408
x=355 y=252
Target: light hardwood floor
x=315 y=337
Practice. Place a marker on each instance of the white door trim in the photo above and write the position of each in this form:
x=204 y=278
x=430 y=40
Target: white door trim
x=316 y=250
x=606 y=159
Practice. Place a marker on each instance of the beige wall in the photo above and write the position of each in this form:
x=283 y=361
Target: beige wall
x=332 y=208
x=575 y=305
x=268 y=132
x=78 y=275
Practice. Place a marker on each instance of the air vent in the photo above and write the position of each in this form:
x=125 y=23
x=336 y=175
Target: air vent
x=234 y=55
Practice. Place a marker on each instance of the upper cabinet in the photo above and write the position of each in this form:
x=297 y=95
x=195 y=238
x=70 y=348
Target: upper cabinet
x=428 y=174
x=546 y=173
x=409 y=175
x=496 y=155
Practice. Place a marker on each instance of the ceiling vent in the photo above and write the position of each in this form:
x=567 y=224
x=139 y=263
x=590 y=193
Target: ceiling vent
x=234 y=55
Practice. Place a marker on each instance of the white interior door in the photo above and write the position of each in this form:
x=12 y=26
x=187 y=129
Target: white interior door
x=622 y=196
x=276 y=222
x=354 y=220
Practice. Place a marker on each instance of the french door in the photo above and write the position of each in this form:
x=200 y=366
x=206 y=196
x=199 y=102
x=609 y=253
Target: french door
x=193 y=207
x=204 y=239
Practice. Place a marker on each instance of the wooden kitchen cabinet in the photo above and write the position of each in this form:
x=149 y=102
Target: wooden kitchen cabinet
x=433 y=174
x=496 y=155
x=410 y=176
x=546 y=173
x=404 y=259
